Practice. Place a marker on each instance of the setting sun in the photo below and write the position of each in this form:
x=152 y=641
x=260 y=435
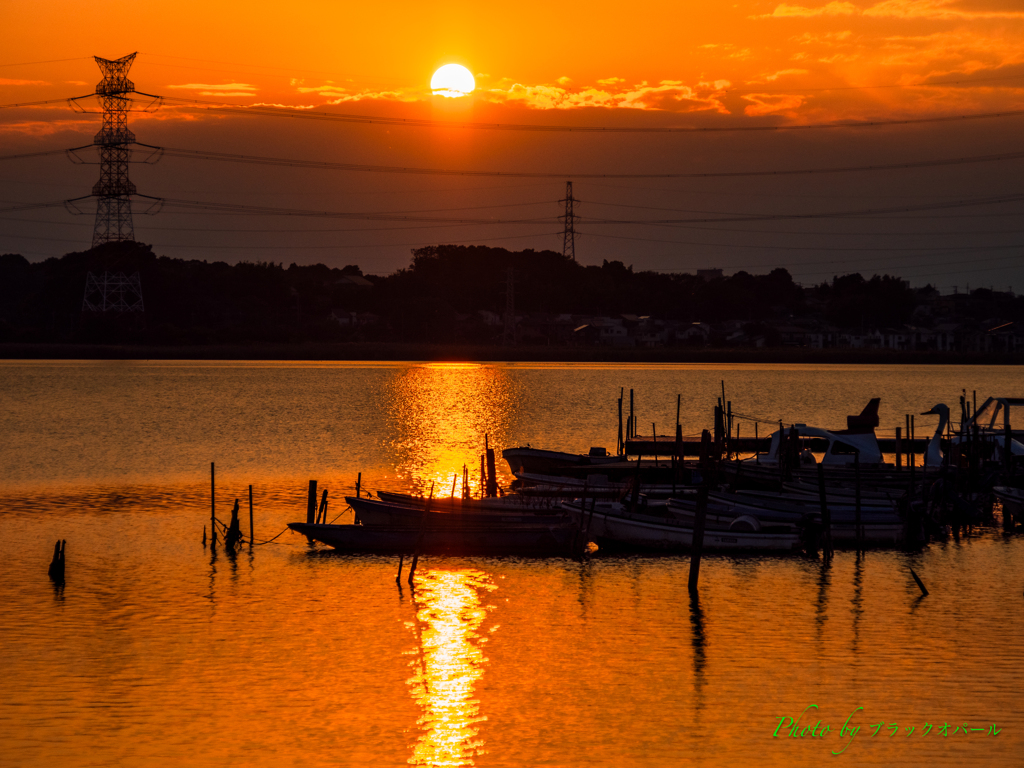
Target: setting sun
x=452 y=81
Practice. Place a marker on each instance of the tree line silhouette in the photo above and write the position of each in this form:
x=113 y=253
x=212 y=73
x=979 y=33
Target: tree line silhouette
x=437 y=298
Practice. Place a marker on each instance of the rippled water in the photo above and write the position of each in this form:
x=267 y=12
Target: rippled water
x=157 y=652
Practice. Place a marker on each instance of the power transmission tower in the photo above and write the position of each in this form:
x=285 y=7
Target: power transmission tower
x=569 y=223
x=114 y=292
x=113 y=190
x=508 y=337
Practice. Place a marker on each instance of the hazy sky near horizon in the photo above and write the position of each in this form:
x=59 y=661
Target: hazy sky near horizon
x=651 y=65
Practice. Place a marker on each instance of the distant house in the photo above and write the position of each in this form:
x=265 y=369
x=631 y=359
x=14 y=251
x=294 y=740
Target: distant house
x=354 y=281
x=695 y=334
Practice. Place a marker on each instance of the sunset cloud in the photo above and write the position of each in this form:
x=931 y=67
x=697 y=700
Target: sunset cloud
x=935 y=9
x=834 y=8
x=941 y=10
x=667 y=95
x=6 y=81
x=222 y=89
x=771 y=103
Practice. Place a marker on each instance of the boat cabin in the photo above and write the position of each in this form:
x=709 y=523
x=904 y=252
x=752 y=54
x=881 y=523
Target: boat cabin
x=837 y=447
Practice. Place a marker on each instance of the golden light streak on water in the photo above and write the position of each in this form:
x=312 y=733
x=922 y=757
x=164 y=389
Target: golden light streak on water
x=437 y=417
x=447 y=663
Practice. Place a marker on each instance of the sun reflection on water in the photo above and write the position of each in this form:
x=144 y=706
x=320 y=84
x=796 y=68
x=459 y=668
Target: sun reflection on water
x=448 y=662
x=437 y=416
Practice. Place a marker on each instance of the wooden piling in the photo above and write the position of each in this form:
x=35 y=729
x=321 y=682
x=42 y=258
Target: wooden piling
x=826 y=515
x=359 y=483
x=398 y=578
x=213 y=508
x=311 y=504
x=913 y=445
x=56 y=569
x=924 y=591
x=1007 y=447
x=619 y=444
x=899 y=449
x=654 y=438
x=492 y=478
x=204 y=537
x=234 y=533
x=700 y=518
x=728 y=429
x=321 y=515
x=419 y=540
x=632 y=419
x=252 y=529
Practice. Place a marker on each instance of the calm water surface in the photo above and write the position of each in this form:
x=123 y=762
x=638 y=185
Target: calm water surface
x=157 y=652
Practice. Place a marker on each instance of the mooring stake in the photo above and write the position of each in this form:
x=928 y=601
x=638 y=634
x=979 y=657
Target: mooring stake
x=920 y=583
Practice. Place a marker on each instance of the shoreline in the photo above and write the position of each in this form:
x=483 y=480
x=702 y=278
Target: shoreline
x=374 y=351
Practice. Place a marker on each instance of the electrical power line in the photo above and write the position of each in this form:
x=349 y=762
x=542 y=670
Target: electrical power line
x=326 y=165
x=267 y=111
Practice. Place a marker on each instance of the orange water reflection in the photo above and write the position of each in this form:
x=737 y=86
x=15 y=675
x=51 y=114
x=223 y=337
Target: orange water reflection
x=437 y=416
x=448 y=662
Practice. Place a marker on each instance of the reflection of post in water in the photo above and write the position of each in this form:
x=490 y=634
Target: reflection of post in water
x=449 y=661
x=699 y=648
x=858 y=597
x=824 y=580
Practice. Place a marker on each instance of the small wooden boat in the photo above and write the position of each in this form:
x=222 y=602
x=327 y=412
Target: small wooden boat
x=1012 y=499
x=531 y=541
x=371 y=512
x=510 y=502
x=596 y=486
x=527 y=459
x=613 y=525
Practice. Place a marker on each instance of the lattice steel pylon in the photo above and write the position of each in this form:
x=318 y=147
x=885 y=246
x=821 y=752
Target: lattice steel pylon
x=569 y=222
x=114 y=292
x=113 y=191
x=508 y=336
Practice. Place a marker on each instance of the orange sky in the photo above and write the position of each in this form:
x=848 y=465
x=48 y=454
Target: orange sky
x=668 y=64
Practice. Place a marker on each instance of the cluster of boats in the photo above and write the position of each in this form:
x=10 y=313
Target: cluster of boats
x=781 y=500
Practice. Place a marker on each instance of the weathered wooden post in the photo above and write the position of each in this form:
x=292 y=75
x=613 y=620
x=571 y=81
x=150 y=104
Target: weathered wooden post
x=419 y=539
x=56 y=569
x=311 y=503
x=680 y=461
x=213 y=508
x=826 y=515
x=728 y=430
x=913 y=442
x=1007 y=445
x=251 y=527
x=679 y=405
x=632 y=418
x=321 y=515
x=899 y=449
x=618 y=450
x=492 y=479
x=700 y=518
x=359 y=483
x=924 y=592
x=234 y=529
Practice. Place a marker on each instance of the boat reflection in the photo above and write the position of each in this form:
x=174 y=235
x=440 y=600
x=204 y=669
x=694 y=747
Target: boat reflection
x=449 y=661
x=436 y=418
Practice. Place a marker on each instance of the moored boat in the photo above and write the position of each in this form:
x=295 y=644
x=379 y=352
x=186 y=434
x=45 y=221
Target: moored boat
x=526 y=540
x=375 y=513
x=613 y=525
